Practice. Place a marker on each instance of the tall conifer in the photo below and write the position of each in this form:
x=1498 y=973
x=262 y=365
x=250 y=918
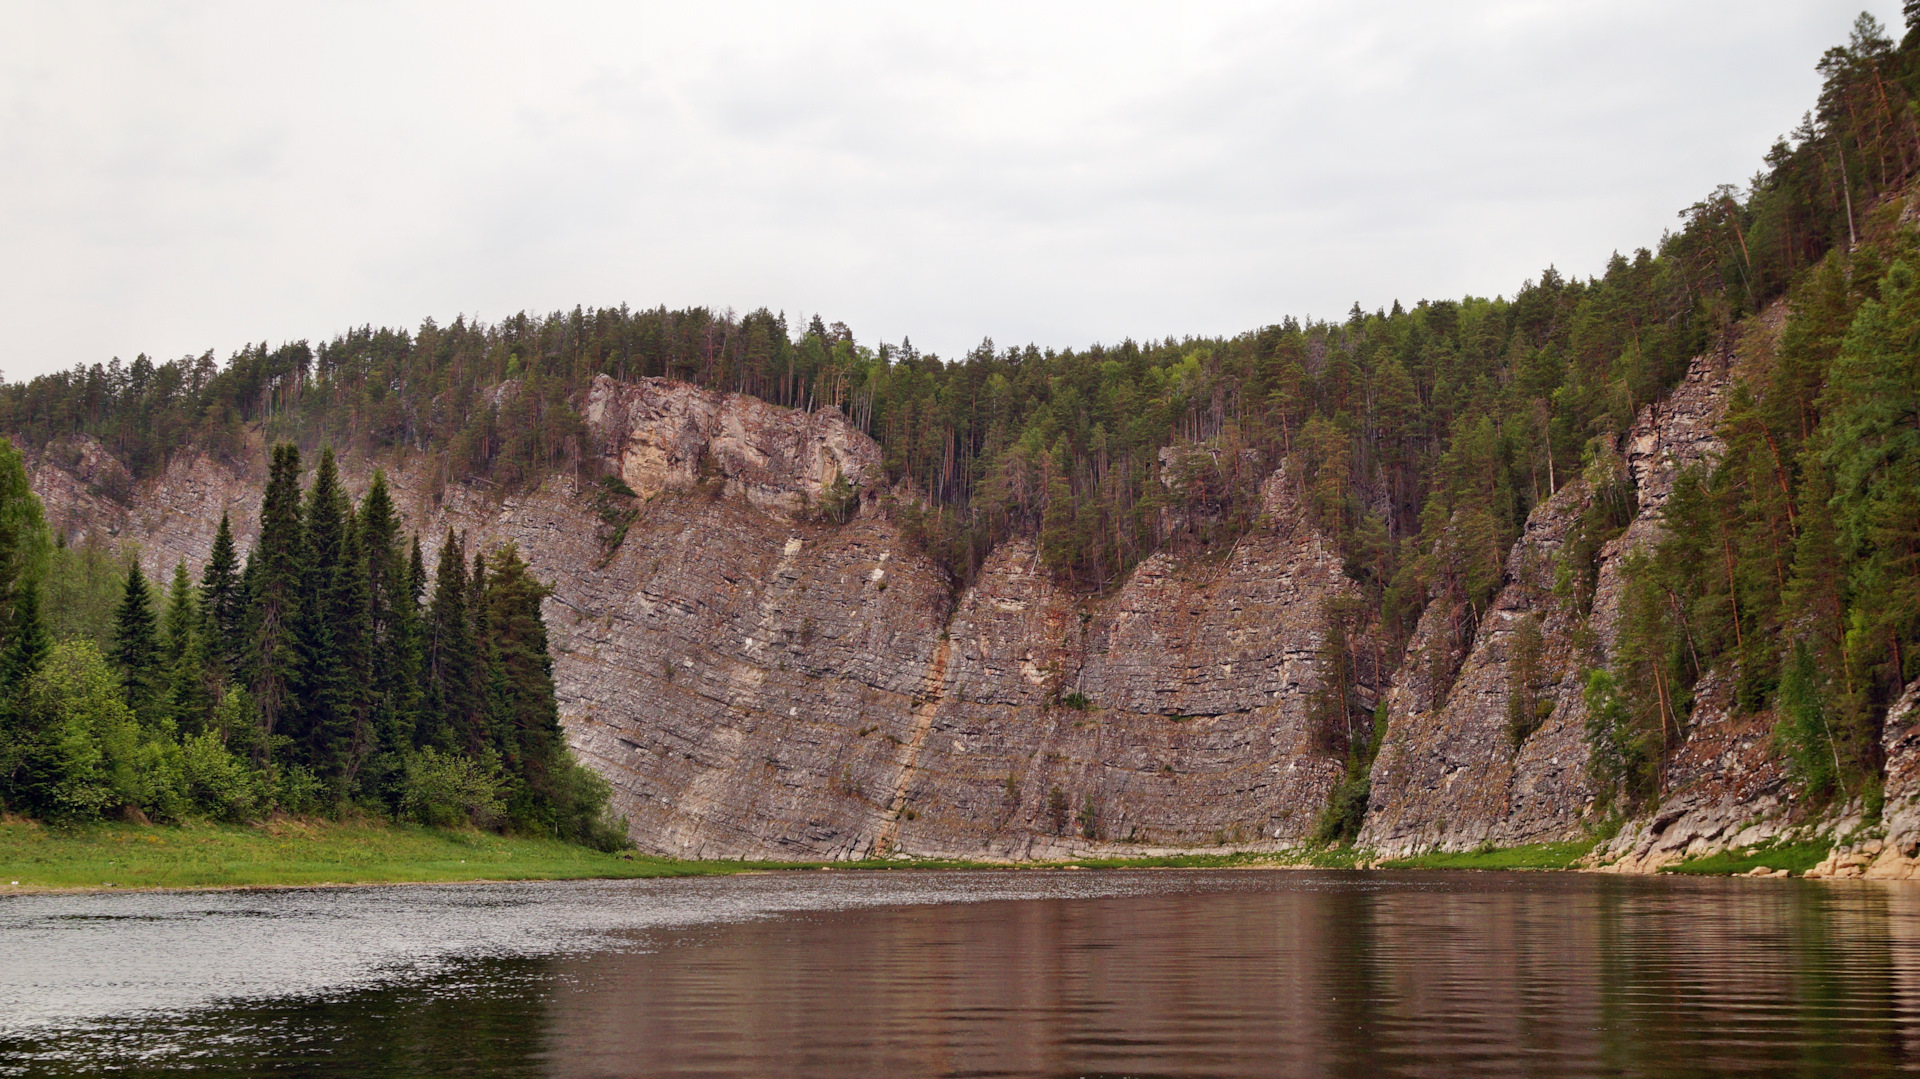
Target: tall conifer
x=525 y=717
x=325 y=627
x=450 y=713
x=273 y=594
x=136 y=647
x=222 y=604
x=189 y=699
x=27 y=643
x=392 y=645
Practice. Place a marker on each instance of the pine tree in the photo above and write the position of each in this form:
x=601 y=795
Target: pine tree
x=136 y=647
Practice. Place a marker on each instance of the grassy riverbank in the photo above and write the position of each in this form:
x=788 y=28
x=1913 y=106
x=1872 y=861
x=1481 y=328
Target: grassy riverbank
x=293 y=853
x=284 y=853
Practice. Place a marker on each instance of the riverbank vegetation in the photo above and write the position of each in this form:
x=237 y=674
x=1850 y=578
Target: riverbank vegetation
x=329 y=675
x=292 y=852
x=1794 y=856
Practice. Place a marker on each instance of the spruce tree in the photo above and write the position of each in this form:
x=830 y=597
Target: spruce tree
x=449 y=715
x=524 y=716
x=136 y=647
x=273 y=594
x=417 y=574
x=23 y=530
x=223 y=606
x=189 y=701
x=27 y=642
x=392 y=644
x=27 y=646
x=325 y=628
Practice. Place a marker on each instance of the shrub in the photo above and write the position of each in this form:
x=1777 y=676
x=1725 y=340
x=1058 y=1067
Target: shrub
x=447 y=789
x=217 y=783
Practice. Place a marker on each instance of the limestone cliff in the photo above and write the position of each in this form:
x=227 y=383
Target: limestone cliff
x=756 y=683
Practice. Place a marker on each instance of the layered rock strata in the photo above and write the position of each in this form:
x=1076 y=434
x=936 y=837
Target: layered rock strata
x=755 y=683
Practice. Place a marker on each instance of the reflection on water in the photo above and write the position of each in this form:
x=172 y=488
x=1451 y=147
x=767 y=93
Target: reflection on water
x=1151 y=973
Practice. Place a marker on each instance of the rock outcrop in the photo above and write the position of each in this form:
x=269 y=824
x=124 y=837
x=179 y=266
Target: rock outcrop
x=756 y=683
x=1449 y=775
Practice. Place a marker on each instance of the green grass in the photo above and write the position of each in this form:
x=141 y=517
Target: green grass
x=1529 y=856
x=1795 y=857
x=294 y=853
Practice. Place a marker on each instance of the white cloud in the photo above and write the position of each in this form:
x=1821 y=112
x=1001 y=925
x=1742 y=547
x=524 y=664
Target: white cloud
x=176 y=177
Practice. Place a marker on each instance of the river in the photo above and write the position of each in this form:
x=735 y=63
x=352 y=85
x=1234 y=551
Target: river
x=1020 y=973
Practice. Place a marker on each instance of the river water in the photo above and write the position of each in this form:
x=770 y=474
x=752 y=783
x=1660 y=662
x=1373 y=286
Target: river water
x=1024 y=973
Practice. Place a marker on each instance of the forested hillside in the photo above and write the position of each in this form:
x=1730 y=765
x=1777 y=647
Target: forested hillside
x=1421 y=436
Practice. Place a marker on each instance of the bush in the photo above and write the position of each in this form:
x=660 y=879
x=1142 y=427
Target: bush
x=1346 y=811
x=70 y=753
x=217 y=783
x=584 y=815
x=445 y=790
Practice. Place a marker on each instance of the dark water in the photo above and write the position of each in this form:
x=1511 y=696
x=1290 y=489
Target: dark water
x=1016 y=973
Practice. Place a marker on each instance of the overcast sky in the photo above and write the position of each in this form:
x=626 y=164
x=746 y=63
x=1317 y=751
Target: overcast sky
x=176 y=177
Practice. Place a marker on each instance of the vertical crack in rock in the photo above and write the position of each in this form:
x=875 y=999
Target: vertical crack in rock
x=916 y=740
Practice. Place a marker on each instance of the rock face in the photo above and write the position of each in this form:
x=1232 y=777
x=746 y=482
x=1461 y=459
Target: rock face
x=754 y=683
x=1449 y=776
x=660 y=434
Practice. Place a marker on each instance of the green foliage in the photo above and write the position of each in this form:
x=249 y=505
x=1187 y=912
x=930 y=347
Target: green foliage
x=1776 y=854
x=1804 y=731
x=446 y=789
x=1342 y=725
x=1526 y=708
x=839 y=501
x=298 y=685
x=615 y=504
x=1058 y=807
x=72 y=750
x=136 y=647
x=1794 y=560
x=1623 y=755
x=84 y=585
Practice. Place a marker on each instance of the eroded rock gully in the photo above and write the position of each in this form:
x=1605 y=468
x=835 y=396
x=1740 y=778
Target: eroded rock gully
x=757 y=684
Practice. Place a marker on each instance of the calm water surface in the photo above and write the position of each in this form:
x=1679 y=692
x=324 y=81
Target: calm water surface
x=1013 y=973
